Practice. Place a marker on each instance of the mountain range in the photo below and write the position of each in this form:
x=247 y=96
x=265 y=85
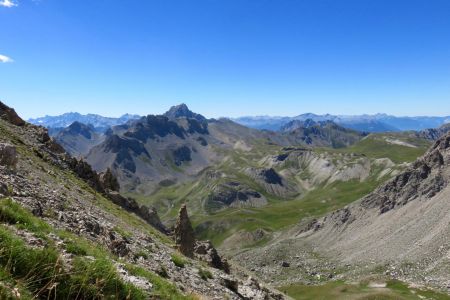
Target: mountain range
x=99 y=123
x=364 y=123
x=367 y=123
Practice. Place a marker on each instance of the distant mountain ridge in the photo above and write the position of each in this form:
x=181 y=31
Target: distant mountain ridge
x=99 y=123
x=368 y=123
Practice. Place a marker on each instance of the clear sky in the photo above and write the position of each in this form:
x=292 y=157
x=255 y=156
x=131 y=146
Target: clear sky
x=226 y=57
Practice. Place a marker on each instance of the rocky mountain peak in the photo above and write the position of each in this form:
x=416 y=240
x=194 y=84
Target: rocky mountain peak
x=81 y=129
x=180 y=111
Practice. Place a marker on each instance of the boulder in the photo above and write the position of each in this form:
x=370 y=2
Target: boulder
x=8 y=156
x=184 y=234
x=4 y=189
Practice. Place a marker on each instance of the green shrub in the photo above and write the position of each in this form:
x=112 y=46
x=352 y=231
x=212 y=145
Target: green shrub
x=205 y=274
x=178 y=260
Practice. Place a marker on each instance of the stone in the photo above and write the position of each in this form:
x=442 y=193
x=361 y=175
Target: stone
x=184 y=234
x=8 y=156
x=4 y=189
x=285 y=264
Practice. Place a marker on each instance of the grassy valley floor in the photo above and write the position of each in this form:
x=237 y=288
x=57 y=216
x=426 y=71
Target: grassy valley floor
x=368 y=290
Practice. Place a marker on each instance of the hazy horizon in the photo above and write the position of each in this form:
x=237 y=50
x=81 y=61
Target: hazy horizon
x=231 y=117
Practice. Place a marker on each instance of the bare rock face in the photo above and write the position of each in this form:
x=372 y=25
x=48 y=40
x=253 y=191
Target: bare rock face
x=10 y=115
x=184 y=234
x=8 y=156
x=109 y=181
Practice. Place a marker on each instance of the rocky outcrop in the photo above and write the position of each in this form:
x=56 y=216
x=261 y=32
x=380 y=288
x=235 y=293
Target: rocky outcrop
x=233 y=194
x=108 y=181
x=150 y=215
x=85 y=171
x=424 y=179
x=8 y=114
x=205 y=251
x=184 y=233
x=8 y=156
x=181 y=154
x=271 y=181
x=434 y=133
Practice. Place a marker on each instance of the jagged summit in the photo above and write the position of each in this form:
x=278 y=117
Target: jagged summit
x=181 y=110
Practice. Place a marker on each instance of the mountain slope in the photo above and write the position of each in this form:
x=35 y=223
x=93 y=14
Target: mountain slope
x=78 y=138
x=322 y=133
x=62 y=236
x=400 y=230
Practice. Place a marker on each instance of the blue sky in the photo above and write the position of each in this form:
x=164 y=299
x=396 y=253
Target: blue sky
x=226 y=57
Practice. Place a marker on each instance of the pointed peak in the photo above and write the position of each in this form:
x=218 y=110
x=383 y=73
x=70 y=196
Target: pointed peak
x=182 y=111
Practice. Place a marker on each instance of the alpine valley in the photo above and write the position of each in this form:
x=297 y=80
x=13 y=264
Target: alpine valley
x=179 y=206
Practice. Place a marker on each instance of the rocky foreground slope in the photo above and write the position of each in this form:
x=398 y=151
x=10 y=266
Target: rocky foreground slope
x=63 y=234
x=400 y=230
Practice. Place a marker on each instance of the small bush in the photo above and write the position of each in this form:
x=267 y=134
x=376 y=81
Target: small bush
x=205 y=274
x=178 y=261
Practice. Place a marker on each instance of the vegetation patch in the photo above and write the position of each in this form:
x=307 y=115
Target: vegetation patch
x=205 y=274
x=339 y=290
x=162 y=289
x=179 y=261
x=43 y=274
